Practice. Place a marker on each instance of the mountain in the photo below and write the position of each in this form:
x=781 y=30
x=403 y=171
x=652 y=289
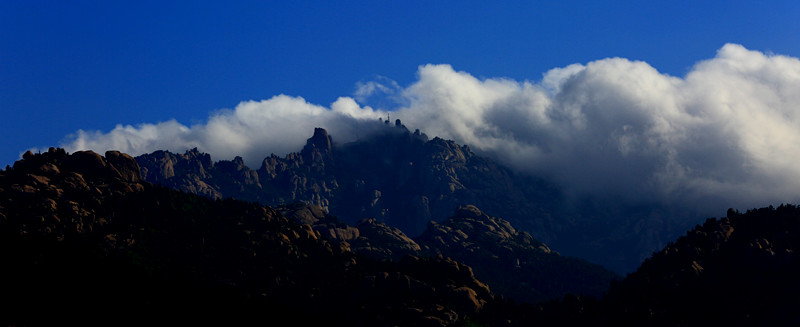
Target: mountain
x=392 y=185
x=405 y=180
x=83 y=239
x=395 y=176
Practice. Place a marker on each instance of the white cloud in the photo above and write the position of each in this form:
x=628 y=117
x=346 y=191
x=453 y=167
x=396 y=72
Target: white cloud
x=253 y=130
x=726 y=134
x=382 y=92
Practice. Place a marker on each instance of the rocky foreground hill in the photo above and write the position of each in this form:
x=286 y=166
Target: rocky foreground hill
x=739 y=270
x=405 y=180
x=84 y=240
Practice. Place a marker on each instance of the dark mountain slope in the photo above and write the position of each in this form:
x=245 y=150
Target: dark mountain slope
x=741 y=270
x=511 y=262
x=84 y=240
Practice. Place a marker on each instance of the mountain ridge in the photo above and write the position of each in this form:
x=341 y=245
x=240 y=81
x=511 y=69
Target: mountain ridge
x=404 y=179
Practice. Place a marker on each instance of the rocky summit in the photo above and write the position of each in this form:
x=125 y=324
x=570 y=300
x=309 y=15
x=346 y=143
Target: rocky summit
x=395 y=176
x=405 y=179
x=59 y=195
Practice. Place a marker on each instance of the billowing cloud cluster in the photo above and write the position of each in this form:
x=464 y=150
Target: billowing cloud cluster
x=726 y=134
x=252 y=130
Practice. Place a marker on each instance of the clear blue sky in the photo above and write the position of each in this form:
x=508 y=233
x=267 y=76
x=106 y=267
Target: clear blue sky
x=69 y=65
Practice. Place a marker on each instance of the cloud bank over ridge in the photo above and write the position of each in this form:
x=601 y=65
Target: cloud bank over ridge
x=726 y=134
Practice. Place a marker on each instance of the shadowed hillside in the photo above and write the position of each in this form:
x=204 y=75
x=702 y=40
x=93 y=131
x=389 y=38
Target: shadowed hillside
x=740 y=270
x=85 y=240
x=511 y=262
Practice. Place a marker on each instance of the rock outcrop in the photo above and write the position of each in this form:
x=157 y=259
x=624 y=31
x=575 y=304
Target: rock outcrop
x=512 y=262
x=49 y=189
x=381 y=241
x=188 y=172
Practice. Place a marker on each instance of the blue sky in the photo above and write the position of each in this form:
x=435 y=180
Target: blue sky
x=90 y=65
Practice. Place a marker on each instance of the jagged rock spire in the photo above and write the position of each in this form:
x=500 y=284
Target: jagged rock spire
x=319 y=147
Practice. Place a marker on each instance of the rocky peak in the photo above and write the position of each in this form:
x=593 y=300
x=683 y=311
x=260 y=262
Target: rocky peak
x=158 y=166
x=125 y=164
x=402 y=178
x=319 y=147
x=195 y=162
x=469 y=227
x=203 y=158
x=56 y=193
x=90 y=166
x=469 y=211
x=235 y=165
x=44 y=163
x=382 y=241
x=87 y=163
x=307 y=214
x=449 y=151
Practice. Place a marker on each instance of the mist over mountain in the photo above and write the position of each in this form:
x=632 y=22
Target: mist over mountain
x=405 y=180
x=725 y=134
